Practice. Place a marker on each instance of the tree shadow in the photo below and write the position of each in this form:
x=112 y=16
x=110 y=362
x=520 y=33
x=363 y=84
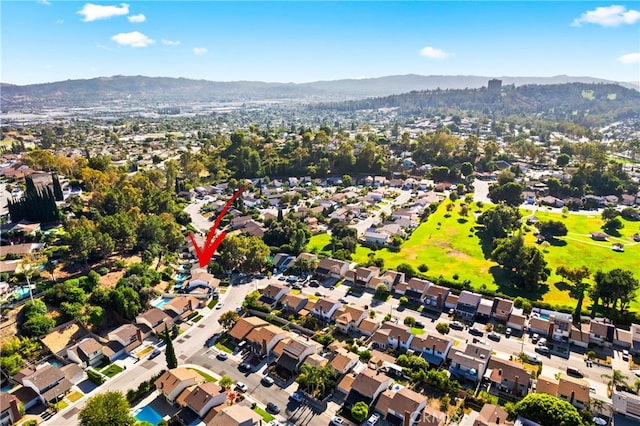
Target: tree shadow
x=613 y=232
x=563 y=286
x=504 y=279
x=486 y=243
x=556 y=242
x=462 y=220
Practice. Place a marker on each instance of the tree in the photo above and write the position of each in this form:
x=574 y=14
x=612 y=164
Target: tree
x=562 y=160
x=500 y=220
x=169 y=352
x=360 y=411
x=37 y=325
x=225 y=382
x=548 y=410
x=106 y=409
x=466 y=169
x=409 y=321
x=228 y=319
x=509 y=193
x=242 y=253
x=613 y=287
x=576 y=276
x=527 y=264
x=615 y=378
x=609 y=213
x=408 y=270
x=443 y=328
x=611 y=226
x=552 y=228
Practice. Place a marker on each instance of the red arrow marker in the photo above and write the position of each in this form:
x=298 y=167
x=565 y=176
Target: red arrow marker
x=208 y=250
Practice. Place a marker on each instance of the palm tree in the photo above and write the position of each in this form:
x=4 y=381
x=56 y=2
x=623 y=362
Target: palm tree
x=309 y=377
x=616 y=378
x=225 y=382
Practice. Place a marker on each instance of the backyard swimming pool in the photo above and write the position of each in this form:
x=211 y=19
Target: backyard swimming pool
x=160 y=303
x=182 y=277
x=148 y=414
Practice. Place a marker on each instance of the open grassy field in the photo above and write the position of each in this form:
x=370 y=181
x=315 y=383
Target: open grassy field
x=450 y=245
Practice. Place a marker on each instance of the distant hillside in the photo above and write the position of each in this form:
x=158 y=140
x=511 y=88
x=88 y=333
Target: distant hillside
x=163 y=90
x=578 y=102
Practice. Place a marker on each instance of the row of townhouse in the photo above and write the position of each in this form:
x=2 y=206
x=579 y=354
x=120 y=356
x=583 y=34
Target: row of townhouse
x=200 y=402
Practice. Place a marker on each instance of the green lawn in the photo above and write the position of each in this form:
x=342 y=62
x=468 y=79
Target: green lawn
x=415 y=330
x=450 y=245
x=111 y=370
x=266 y=416
x=207 y=377
x=225 y=344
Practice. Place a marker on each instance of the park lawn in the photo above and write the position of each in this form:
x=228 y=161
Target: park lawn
x=447 y=245
x=318 y=242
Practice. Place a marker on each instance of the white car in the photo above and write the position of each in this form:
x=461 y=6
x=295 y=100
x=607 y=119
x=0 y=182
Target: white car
x=241 y=387
x=373 y=419
x=296 y=396
x=338 y=421
x=219 y=305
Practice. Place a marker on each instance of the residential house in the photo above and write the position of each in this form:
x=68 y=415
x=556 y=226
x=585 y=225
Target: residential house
x=395 y=405
x=153 y=321
x=262 y=340
x=435 y=297
x=348 y=318
x=293 y=355
x=622 y=338
x=202 y=398
x=373 y=236
x=516 y=321
x=179 y=308
x=362 y=276
x=558 y=324
x=635 y=338
x=626 y=404
x=292 y=303
x=234 y=415
x=509 y=377
x=272 y=294
x=485 y=309
x=451 y=301
x=368 y=326
x=401 y=288
x=325 y=308
x=344 y=361
x=202 y=278
x=174 y=381
x=502 y=309
x=49 y=382
x=128 y=335
x=492 y=415
x=245 y=325
x=397 y=336
x=9 y=409
x=417 y=289
x=467 y=305
x=539 y=325
x=579 y=336
x=601 y=332
x=87 y=352
x=431 y=417
x=432 y=347
x=331 y=268
x=573 y=390
x=471 y=363
x=388 y=279
x=367 y=386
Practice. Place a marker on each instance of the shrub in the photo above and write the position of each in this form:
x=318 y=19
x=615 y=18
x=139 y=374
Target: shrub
x=103 y=271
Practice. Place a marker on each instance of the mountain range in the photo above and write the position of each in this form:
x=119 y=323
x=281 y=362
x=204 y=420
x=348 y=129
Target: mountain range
x=176 y=91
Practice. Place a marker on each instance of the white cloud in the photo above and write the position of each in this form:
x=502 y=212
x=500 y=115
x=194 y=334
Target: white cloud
x=170 y=42
x=133 y=39
x=45 y=2
x=200 y=51
x=433 y=53
x=137 y=18
x=608 y=16
x=630 y=58
x=93 y=12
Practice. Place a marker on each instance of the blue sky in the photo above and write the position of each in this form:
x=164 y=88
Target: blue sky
x=48 y=40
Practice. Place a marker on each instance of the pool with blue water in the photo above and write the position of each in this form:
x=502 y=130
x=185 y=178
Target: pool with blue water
x=160 y=303
x=148 y=414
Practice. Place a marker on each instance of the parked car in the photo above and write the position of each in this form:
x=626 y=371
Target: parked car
x=476 y=330
x=373 y=419
x=222 y=356
x=456 y=325
x=543 y=350
x=219 y=305
x=155 y=353
x=267 y=381
x=542 y=342
x=533 y=359
x=535 y=337
x=343 y=300
x=314 y=283
x=336 y=420
x=572 y=371
x=297 y=396
x=241 y=387
x=319 y=294
x=244 y=366
x=508 y=331
x=418 y=324
x=273 y=408
x=494 y=336
x=625 y=354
